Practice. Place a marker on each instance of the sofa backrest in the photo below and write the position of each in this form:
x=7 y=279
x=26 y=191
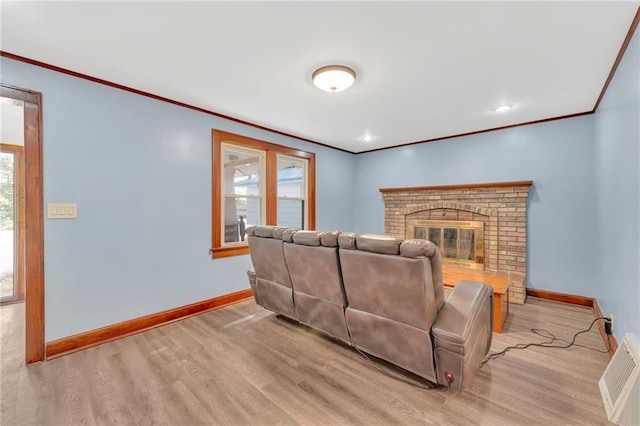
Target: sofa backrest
x=314 y=266
x=272 y=281
x=267 y=253
x=318 y=292
x=392 y=278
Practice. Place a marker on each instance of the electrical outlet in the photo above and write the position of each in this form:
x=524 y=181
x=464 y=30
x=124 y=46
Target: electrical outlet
x=608 y=325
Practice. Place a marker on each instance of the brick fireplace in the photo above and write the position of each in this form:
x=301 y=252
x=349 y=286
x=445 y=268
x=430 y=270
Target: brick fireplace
x=501 y=207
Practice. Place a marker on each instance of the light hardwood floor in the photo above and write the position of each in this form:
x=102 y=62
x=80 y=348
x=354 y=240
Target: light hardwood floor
x=242 y=365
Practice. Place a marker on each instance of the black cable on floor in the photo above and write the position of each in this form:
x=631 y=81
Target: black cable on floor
x=550 y=343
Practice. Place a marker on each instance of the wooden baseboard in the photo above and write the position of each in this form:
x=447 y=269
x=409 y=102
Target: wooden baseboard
x=590 y=302
x=561 y=297
x=70 y=344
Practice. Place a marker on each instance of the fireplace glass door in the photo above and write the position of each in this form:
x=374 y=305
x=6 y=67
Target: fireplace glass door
x=460 y=242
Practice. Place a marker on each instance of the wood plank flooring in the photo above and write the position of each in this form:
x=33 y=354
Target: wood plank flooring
x=241 y=365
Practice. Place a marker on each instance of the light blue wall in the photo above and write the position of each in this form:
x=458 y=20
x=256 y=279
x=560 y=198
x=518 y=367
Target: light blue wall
x=140 y=171
x=557 y=156
x=617 y=153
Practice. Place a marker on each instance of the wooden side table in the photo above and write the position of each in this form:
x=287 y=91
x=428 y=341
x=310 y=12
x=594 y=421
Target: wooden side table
x=499 y=282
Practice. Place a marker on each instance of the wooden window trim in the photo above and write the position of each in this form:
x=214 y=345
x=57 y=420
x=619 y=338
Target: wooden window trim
x=272 y=151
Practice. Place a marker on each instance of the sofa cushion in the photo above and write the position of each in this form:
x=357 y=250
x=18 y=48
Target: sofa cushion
x=287 y=235
x=263 y=231
x=307 y=238
x=278 y=231
x=270 y=231
x=347 y=240
x=316 y=238
x=378 y=243
x=330 y=239
x=417 y=248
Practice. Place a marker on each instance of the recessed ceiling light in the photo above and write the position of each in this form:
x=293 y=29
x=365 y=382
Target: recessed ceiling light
x=333 y=78
x=502 y=108
x=367 y=138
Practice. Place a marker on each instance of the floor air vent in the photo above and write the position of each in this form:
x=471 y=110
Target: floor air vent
x=619 y=380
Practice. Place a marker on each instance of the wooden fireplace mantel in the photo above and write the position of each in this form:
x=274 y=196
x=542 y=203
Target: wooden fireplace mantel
x=461 y=186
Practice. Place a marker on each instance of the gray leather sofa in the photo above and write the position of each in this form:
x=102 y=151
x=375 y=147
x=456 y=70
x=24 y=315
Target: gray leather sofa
x=383 y=295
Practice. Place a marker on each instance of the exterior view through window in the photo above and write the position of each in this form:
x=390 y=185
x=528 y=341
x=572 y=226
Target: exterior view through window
x=256 y=183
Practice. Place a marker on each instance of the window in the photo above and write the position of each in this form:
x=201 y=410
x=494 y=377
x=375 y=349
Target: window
x=256 y=183
x=292 y=175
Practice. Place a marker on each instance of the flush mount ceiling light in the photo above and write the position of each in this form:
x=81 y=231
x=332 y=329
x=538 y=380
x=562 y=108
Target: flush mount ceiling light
x=333 y=78
x=502 y=108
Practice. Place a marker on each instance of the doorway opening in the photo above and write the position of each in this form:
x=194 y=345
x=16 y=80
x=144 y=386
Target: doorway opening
x=22 y=217
x=12 y=238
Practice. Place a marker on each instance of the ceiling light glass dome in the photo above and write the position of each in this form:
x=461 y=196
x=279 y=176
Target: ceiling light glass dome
x=333 y=78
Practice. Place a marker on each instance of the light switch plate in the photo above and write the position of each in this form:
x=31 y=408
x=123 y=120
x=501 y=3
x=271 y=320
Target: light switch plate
x=62 y=211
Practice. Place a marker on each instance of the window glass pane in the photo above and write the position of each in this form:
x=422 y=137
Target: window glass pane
x=467 y=244
x=244 y=212
x=434 y=236
x=291 y=180
x=242 y=187
x=241 y=171
x=420 y=232
x=291 y=177
x=291 y=213
x=253 y=213
x=450 y=243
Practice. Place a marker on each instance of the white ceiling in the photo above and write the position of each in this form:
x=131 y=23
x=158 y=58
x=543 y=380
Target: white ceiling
x=424 y=69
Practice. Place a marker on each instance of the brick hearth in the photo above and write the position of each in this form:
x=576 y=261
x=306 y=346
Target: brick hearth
x=501 y=206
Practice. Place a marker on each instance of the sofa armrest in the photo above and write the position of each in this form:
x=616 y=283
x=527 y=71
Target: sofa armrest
x=462 y=332
x=460 y=316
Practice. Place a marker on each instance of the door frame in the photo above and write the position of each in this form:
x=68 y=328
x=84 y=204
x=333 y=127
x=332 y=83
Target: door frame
x=34 y=220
